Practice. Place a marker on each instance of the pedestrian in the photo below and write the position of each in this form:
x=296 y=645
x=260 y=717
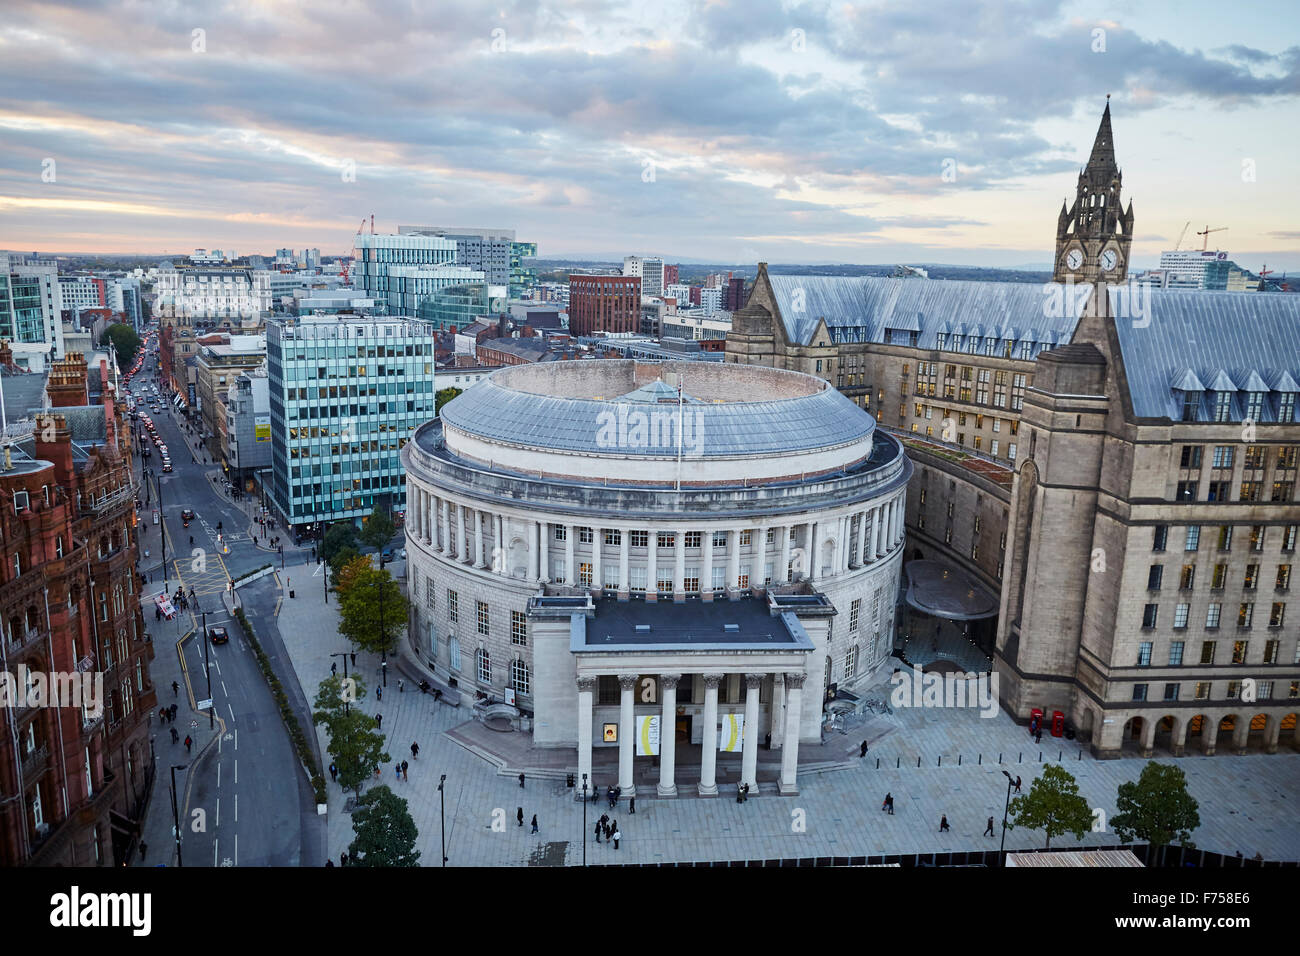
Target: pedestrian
x=175 y=735
x=157 y=613
x=400 y=688
x=1017 y=784
x=379 y=693
x=397 y=769
x=617 y=836
x=521 y=781
x=329 y=862
x=943 y=824
x=618 y=793
x=379 y=723
x=599 y=826
x=631 y=804
x=891 y=805
x=176 y=688
x=884 y=804
x=172 y=715
x=988 y=830
x=415 y=751
x=519 y=815
x=189 y=743
x=1038 y=737
x=334 y=771
x=144 y=848
x=334 y=668
x=404 y=773
x=611 y=798
x=162 y=715
x=376 y=771
x=862 y=751
x=343 y=859
x=534 y=823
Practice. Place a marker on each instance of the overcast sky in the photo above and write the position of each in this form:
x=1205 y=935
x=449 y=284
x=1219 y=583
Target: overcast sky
x=723 y=130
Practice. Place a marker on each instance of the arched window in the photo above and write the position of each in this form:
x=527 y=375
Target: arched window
x=519 y=676
x=484 y=666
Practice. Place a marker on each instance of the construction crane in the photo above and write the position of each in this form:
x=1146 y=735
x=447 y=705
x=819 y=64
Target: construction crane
x=1179 y=243
x=1205 y=243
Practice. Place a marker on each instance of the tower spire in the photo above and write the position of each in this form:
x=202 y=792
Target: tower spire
x=1102 y=161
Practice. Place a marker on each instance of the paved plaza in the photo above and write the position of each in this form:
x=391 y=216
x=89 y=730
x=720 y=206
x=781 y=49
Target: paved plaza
x=1247 y=803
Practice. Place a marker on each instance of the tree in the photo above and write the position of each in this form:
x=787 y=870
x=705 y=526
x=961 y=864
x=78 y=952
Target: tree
x=374 y=611
x=340 y=535
x=1157 y=808
x=342 y=559
x=124 y=341
x=349 y=571
x=442 y=396
x=385 y=832
x=378 y=528
x=1053 y=804
x=356 y=745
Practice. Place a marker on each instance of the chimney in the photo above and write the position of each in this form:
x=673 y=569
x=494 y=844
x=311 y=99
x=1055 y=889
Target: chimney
x=66 y=385
x=6 y=355
x=54 y=444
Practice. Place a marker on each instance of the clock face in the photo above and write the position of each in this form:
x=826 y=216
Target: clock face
x=1108 y=259
x=1074 y=258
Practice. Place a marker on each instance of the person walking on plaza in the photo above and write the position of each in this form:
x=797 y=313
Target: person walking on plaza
x=415 y=750
x=988 y=830
x=401 y=689
x=334 y=771
x=521 y=781
x=175 y=735
x=599 y=826
x=617 y=836
x=534 y=823
x=334 y=668
x=519 y=815
x=176 y=688
x=189 y=743
x=379 y=721
x=1017 y=784
x=943 y=824
x=862 y=751
x=379 y=693
x=631 y=804
x=405 y=777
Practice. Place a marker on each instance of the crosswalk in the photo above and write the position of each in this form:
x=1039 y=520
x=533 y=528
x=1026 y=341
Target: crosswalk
x=205 y=573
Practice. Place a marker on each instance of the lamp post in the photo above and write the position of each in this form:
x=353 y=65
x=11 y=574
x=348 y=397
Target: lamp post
x=344 y=655
x=1005 y=807
x=442 y=815
x=162 y=530
x=176 y=819
x=584 y=819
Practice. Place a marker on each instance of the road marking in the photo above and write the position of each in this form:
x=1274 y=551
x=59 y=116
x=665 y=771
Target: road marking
x=214 y=851
x=236 y=770
x=236 y=808
x=236 y=849
x=218 y=772
x=223 y=688
x=218 y=823
x=232 y=714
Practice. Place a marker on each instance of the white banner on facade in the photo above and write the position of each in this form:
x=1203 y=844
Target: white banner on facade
x=647 y=736
x=731 y=737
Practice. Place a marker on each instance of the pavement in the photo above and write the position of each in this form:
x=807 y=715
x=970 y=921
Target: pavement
x=934 y=762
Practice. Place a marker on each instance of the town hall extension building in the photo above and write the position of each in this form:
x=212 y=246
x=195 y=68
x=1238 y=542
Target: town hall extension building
x=645 y=553
x=1113 y=475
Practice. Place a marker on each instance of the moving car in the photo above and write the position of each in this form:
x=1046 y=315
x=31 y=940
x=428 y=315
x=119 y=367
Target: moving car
x=187 y=515
x=218 y=635
x=167 y=466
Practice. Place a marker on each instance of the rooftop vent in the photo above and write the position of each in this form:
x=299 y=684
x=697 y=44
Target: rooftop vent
x=731 y=628
x=643 y=628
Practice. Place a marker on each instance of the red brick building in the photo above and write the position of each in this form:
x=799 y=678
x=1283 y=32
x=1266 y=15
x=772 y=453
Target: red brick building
x=604 y=304
x=73 y=783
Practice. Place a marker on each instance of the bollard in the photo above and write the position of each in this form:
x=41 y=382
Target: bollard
x=898 y=762
x=877 y=763
x=918 y=763
x=940 y=763
x=1021 y=757
x=999 y=758
x=1060 y=757
x=980 y=762
x=959 y=760
x=1040 y=756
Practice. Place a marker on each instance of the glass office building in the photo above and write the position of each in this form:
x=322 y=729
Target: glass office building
x=346 y=393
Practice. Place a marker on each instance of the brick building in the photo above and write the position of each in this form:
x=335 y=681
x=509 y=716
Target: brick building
x=73 y=784
x=604 y=304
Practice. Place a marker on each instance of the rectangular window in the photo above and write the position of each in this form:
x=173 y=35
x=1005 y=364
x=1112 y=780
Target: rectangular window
x=613 y=536
x=851 y=662
x=1187 y=579
x=666 y=539
x=1180 y=615
x=453 y=605
x=1203 y=690
x=639 y=539
x=1254 y=457
x=1234 y=688
x=719 y=539
x=1149 y=613
x=1249 y=492
x=1225 y=537
x=1154 y=574
x=1282 y=491
x=1191 y=457
x=1257 y=538
x=1192 y=541
x=1220 y=579
x=1139 y=691
x=430 y=593
x=1207 y=652
x=691 y=580
x=692 y=539
x=1171 y=691
x=1212 y=615
x=561 y=533
x=1160 y=537
x=1245 y=614
x=1218 y=491
x=1283 y=577
x=745 y=537
x=1287 y=456
x=1222 y=456
x=1270 y=652
x=1288 y=538
x=1252 y=577
x=1277 y=615
x=584 y=535
x=1144 y=654
x=483 y=621
x=719 y=578
x=519 y=628
x=855 y=609
x=1176 y=654
x=1239 y=649
x=584 y=574
x=1186 y=491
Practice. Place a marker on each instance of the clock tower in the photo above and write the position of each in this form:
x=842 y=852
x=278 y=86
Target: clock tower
x=1093 y=236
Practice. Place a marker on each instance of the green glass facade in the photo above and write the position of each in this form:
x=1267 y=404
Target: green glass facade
x=521 y=277
x=346 y=394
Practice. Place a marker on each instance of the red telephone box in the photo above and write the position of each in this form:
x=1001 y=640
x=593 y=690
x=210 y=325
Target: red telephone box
x=1058 y=723
x=1035 y=719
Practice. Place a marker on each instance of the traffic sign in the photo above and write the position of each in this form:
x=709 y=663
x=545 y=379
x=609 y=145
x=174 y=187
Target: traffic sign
x=205 y=704
x=194 y=725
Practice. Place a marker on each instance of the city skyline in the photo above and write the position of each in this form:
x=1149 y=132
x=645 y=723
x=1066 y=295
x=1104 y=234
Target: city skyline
x=830 y=133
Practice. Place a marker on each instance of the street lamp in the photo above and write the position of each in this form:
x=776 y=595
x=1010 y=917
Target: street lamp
x=207 y=668
x=176 y=819
x=442 y=815
x=584 y=819
x=1010 y=783
x=344 y=655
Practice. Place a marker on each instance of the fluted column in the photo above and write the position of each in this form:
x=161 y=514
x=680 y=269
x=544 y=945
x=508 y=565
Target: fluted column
x=757 y=573
x=776 y=724
x=652 y=565
x=570 y=573
x=706 y=579
x=480 y=558
x=626 y=732
x=841 y=544
x=790 y=756
x=902 y=524
x=624 y=544
x=784 y=571
x=466 y=556
x=733 y=560
x=442 y=525
x=499 y=562
x=814 y=564
x=544 y=549
x=863 y=533
x=749 y=759
x=679 y=565
x=668 y=734
x=586 y=688
x=534 y=551
x=709 y=737
x=597 y=542
x=877 y=518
